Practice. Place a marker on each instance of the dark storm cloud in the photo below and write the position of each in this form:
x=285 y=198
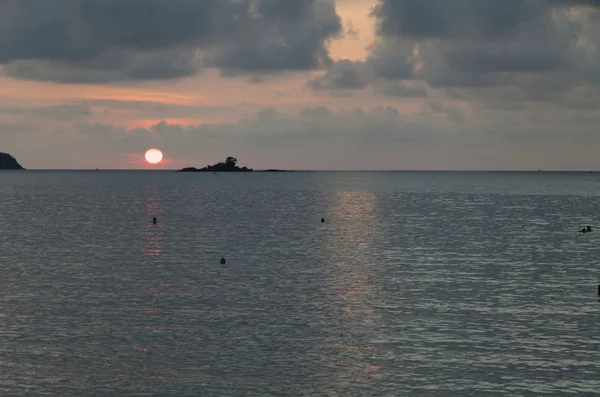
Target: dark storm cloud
x=490 y=60
x=472 y=44
x=287 y=35
x=542 y=46
x=453 y=18
x=118 y=65
x=149 y=24
x=470 y=19
x=571 y=3
x=76 y=30
x=104 y=40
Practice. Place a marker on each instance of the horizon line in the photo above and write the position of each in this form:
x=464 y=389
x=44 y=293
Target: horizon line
x=316 y=170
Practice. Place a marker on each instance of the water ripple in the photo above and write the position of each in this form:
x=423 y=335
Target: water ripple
x=420 y=284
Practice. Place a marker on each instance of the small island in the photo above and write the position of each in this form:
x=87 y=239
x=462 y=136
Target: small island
x=8 y=162
x=230 y=165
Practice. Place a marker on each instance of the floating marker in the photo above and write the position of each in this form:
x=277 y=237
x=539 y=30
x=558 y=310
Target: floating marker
x=322 y=220
x=223 y=261
x=154 y=220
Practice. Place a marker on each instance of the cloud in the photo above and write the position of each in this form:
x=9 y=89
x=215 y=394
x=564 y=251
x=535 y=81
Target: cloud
x=116 y=40
x=403 y=89
x=480 y=50
x=381 y=65
x=342 y=75
x=159 y=110
x=427 y=19
x=15 y=128
x=392 y=60
x=65 y=112
x=270 y=138
x=439 y=135
x=351 y=31
x=287 y=35
x=315 y=126
x=538 y=49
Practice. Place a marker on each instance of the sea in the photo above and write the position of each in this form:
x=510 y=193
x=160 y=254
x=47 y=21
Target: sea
x=416 y=284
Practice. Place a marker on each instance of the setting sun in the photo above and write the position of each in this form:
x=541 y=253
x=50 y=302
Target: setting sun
x=154 y=156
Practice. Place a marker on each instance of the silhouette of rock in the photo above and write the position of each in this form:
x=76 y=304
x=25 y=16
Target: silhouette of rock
x=8 y=162
x=230 y=165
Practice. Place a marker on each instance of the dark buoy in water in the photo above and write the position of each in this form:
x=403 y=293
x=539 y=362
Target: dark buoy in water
x=598 y=290
x=222 y=261
x=154 y=220
x=322 y=220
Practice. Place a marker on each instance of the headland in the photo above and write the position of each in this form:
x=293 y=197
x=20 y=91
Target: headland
x=8 y=162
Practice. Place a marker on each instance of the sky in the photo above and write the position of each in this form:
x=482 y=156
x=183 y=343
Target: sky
x=301 y=84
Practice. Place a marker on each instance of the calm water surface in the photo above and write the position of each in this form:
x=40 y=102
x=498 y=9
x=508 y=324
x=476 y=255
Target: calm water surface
x=418 y=284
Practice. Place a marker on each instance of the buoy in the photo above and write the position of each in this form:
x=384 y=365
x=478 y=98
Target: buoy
x=598 y=290
x=222 y=261
x=154 y=220
x=322 y=220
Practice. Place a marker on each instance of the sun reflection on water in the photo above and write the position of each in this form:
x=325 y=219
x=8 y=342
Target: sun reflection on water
x=354 y=235
x=351 y=285
x=153 y=272
x=154 y=232
x=154 y=237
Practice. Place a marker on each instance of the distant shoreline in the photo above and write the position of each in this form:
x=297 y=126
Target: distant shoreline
x=296 y=171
